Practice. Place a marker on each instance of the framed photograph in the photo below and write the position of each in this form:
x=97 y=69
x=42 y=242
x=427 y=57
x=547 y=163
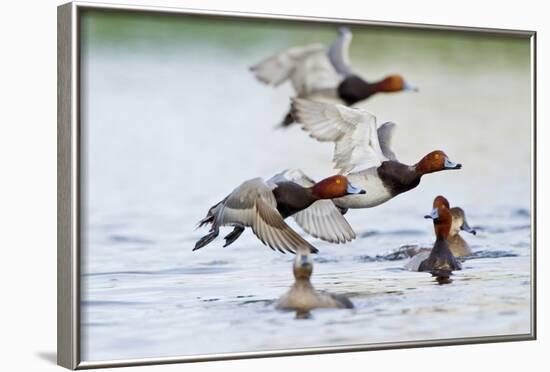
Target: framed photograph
x=236 y=185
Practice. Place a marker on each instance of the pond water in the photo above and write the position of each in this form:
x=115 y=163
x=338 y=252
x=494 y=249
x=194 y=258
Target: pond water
x=173 y=121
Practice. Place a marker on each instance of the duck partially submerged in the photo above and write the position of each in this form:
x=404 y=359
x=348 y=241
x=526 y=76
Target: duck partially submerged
x=324 y=74
x=263 y=206
x=441 y=261
x=302 y=296
x=359 y=143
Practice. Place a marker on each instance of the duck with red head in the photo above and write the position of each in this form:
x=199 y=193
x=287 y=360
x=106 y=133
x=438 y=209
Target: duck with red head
x=457 y=245
x=263 y=206
x=321 y=73
x=394 y=178
x=354 y=88
x=362 y=151
x=441 y=262
x=435 y=161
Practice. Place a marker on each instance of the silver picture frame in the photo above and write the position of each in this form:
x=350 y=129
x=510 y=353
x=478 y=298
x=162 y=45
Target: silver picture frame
x=69 y=174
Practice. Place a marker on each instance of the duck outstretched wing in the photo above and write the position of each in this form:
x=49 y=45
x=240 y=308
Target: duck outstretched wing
x=253 y=204
x=338 y=52
x=291 y=175
x=273 y=231
x=353 y=131
x=385 y=137
x=307 y=67
x=323 y=220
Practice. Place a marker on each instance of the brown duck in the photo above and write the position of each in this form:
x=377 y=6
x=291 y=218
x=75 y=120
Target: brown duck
x=302 y=296
x=441 y=262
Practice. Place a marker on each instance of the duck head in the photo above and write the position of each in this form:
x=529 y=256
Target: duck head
x=335 y=187
x=394 y=83
x=441 y=217
x=435 y=161
x=303 y=266
x=459 y=222
x=440 y=201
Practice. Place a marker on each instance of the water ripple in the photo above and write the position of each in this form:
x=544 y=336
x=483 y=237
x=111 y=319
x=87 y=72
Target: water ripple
x=173 y=271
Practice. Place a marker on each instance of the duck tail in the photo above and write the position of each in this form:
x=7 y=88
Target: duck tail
x=213 y=233
x=214 y=230
x=210 y=216
x=206 y=220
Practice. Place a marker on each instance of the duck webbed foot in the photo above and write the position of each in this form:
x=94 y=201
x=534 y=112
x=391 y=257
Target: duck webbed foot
x=233 y=235
x=206 y=239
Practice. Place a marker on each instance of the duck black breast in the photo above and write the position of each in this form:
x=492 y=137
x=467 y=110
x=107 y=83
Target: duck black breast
x=398 y=177
x=441 y=259
x=354 y=89
x=292 y=198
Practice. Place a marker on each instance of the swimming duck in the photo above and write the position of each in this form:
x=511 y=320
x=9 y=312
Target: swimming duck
x=263 y=206
x=441 y=261
x=323 y=74
x=302 y=296
x=458 y=246
x=359 y=144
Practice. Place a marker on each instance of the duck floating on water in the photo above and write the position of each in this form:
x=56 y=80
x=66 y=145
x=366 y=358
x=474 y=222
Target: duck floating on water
x=359 y=143
x=263 y=206
x=441 y=262
x=302 y=296
x=457 y=245
x=324 y=74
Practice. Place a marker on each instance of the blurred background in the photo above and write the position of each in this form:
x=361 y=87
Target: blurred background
x=173 y=121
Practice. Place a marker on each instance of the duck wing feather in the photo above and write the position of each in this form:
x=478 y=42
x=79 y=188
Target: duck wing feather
x=307 y=67
x=291 y=175
x=323 y=220
x=338 y=52
x=253 y=204
x=353 y=131
x=385 y=137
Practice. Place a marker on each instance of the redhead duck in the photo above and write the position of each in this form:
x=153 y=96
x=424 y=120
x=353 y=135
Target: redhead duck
x=359 y=143
x=263 y=206
x=323 y=74
x=441 y=262
x=302 y=296
x=458 y=246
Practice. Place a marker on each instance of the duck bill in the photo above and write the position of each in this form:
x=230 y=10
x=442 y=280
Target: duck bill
x=451 y=164
x=434 y=214
x=354 y=190
x=467 y=228
x=303 y=260
x=409 y=88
